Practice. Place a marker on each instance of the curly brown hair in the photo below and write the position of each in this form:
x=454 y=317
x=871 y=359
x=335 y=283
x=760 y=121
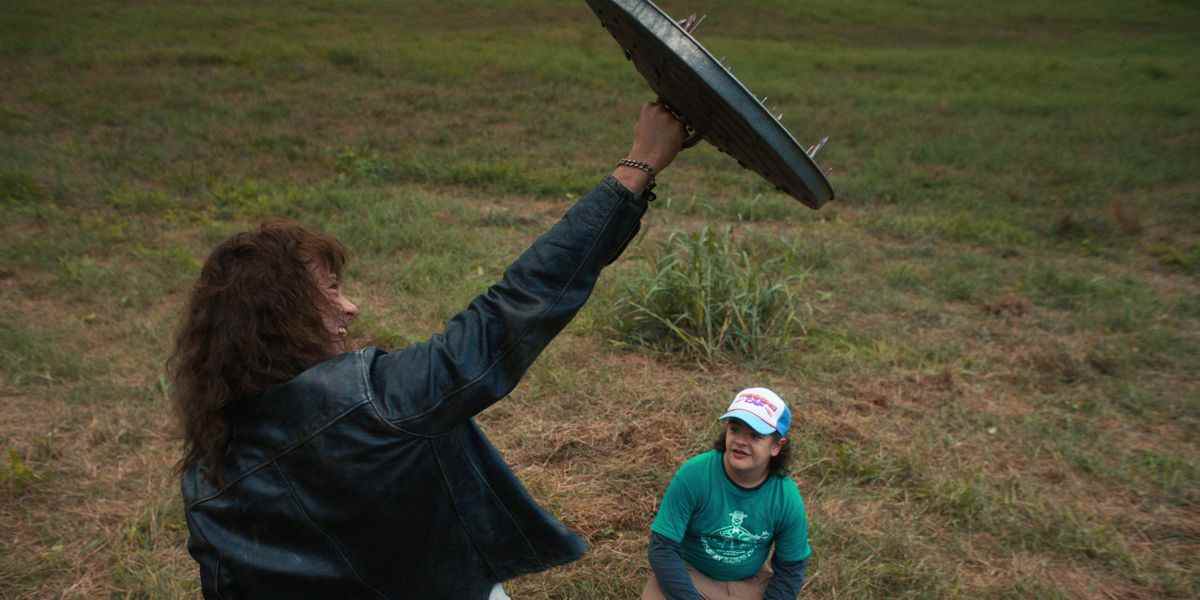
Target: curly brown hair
x=254 y=319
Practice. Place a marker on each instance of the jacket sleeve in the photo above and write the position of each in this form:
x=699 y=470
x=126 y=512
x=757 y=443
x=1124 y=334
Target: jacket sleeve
x=431 y=387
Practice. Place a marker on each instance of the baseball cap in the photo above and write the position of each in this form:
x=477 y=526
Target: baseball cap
x=763 y=410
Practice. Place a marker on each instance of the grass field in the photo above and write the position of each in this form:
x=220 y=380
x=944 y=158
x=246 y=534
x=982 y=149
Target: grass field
x=996 y=340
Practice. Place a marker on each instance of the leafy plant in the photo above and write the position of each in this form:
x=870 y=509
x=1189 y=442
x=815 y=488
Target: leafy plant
x=1176 y=257
x=706 y=297
x=363 y=165
x=19 y=189
x=16 y=474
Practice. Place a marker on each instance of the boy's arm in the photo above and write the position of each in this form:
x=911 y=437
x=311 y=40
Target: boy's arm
x=670 y=570
x=667 y=533
x=792 y=550
x=787 y=580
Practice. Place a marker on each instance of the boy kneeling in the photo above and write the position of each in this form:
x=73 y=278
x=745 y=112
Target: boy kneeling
x=725 y=509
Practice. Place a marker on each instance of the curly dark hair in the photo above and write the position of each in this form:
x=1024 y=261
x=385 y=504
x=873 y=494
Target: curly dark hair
x=253 y=320
x=778 y=465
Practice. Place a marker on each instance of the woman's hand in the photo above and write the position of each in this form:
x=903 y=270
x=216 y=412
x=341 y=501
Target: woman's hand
x=657 y=138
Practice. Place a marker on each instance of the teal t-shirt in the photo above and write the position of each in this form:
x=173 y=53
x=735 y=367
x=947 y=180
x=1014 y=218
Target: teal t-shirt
x=726 y=531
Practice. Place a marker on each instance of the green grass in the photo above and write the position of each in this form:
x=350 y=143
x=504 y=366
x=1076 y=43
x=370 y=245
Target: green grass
x=30 y=356
x=990 y=336
x=703 y=296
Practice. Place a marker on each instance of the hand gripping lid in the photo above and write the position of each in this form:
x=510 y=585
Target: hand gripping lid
x=707 y=97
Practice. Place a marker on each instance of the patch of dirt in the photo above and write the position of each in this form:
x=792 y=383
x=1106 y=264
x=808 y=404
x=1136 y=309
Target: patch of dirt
x=1009 y=306
x=999 y=402
x=908 y=389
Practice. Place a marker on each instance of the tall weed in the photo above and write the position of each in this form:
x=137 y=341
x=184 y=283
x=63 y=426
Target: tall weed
x=706 y=297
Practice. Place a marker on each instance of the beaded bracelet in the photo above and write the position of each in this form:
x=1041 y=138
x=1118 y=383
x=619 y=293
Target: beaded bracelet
x=639 y=165
x=648 y=193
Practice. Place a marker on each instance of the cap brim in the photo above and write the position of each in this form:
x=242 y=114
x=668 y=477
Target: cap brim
x=751 y=419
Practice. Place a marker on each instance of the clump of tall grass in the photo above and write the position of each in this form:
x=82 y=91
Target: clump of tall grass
x=705 y=297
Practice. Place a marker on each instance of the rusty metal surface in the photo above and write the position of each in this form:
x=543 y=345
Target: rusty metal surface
x=710 y=99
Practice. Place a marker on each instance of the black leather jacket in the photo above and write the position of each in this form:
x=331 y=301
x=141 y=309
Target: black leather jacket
x=366 y=477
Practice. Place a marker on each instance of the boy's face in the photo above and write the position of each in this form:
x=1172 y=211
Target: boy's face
x=748 y=451
x=340 y=312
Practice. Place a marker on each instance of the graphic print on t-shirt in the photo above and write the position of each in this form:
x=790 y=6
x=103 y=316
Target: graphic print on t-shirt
x=733 y=543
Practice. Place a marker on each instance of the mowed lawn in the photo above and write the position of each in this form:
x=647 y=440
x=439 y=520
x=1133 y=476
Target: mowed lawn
x=997 y=328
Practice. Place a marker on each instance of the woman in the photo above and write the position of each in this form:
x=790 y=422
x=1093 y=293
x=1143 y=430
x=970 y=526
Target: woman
x=309 y=471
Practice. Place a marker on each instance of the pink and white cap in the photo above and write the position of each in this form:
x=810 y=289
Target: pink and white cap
x=763 y=410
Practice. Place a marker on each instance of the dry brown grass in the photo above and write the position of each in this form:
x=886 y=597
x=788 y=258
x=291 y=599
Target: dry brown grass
x=999 y=411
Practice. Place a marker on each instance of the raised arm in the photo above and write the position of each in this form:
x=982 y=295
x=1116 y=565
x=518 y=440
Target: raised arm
x=484 y=351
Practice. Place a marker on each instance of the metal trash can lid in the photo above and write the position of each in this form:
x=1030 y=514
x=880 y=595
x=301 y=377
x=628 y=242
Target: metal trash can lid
x=704 y=93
